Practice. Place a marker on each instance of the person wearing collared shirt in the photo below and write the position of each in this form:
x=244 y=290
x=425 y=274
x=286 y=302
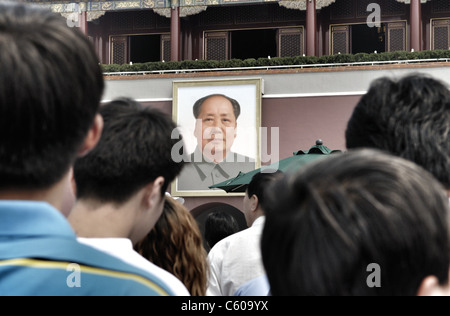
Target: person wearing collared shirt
x=213 y=161
x=121 y=184
x=50 y=90
x=236 y=259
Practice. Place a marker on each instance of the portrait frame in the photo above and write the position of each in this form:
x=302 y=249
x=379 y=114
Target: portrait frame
x=248 y=93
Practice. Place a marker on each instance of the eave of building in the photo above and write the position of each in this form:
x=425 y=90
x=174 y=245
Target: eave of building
x=97 y=8
x=100 y=5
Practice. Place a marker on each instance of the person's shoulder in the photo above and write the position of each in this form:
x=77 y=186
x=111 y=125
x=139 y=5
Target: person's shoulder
x=127 y=279
x=228 y=241
x=122 y=249
x=168 y=279
x=256 y=287
x=62 y=266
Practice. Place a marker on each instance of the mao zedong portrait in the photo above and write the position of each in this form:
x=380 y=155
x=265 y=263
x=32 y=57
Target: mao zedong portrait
x=216 y=131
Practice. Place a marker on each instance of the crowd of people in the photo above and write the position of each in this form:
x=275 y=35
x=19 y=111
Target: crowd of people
x=371 y=221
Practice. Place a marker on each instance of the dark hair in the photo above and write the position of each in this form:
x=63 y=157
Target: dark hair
x=259 y=184
x=235 y=104
x=135 y=149
x=175 y=244
x=326 y=224
x=409 y=118
x=50 y=90
x=219 y=225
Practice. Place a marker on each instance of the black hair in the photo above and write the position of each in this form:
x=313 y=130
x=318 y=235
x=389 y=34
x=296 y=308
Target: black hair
x=135 y=149
x=326 y=224
x=219 y=225
x=235 y=104
x=50 y=90
x=409 y=118
x=259 y=184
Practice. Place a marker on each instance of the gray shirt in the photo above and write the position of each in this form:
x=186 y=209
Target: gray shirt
x=200 y=173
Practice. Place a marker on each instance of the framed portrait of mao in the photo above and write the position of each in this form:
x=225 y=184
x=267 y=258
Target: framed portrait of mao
x=219 y=126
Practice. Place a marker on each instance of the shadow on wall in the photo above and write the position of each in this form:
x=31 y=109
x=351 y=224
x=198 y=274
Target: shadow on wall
x=201 y=214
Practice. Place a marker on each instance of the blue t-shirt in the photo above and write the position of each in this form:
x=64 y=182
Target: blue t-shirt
x=256 y=287
x=39 y=255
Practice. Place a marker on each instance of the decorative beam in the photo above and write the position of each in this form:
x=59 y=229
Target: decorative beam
x=301 y=4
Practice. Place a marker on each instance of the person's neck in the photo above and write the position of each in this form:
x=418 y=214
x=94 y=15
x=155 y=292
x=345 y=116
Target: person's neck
x=259 y=213
x=92 y=219
x=54 y=195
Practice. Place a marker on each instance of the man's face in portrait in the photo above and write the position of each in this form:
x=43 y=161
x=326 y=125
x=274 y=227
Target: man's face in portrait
x=215 y=128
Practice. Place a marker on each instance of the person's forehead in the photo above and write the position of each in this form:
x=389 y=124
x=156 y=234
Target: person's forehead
x=215 y=104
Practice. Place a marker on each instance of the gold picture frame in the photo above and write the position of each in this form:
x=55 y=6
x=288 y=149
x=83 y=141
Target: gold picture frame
x=245 y=98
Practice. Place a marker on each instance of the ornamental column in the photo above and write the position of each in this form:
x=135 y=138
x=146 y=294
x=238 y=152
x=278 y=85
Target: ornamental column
x=311 y=28
x=83 y=22
x=175 y=32
x=416 y=25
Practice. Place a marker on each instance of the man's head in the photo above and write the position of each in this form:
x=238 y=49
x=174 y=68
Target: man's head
x=216 y=122
x=50 y=90
x=328 y=224
x=255 y=195
x=409 y=118
x=134 y=153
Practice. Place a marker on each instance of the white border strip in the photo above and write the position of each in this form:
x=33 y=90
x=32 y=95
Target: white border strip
x=146 y=100
x=272 y=96
x=309 y=95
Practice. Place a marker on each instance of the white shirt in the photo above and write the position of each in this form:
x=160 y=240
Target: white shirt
x=122 y=248
x=236 y=260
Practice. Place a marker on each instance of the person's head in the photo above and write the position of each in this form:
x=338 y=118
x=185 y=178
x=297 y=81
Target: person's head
x=328 y=224
x=410 y=118
x=216 y=122
x=50 y=90
x=176 y=245
x=255 y=195
x=132 y=159
x=219 y=225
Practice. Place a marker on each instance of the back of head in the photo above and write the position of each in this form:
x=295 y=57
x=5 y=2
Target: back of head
x=328 y=223
x=219 y=225
x=50 y=90
x=260 y=183
x=409 y=118
x=134 y=150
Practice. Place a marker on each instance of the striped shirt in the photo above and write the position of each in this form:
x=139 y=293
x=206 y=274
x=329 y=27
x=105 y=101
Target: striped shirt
x=39 y=255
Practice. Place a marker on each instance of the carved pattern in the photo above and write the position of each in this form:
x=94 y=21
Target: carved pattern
x=396 y=36
x=409 y=1
x=216 y=46
x=301 y=4
x=184 y=11
x=440 y=6
x=441 y=33
x=291 y=42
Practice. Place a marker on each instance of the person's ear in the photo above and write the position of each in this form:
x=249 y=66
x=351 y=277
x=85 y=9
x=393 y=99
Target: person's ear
x=254 y=201
x=93 y=136
x=430 y=287
x=153 y=195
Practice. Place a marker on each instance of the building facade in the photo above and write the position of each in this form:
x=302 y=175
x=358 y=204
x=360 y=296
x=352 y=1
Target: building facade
x=157 y=30
x=303 y=104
